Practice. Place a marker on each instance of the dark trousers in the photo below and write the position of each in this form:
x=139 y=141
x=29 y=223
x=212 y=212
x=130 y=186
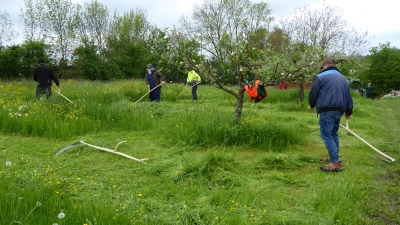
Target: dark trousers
x=41 y=90
x=155 y=95
x=194 y=92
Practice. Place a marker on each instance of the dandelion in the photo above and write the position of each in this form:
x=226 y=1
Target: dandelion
x=61 y=215
x=37 y=205
x=8 y=163
x=140 y=195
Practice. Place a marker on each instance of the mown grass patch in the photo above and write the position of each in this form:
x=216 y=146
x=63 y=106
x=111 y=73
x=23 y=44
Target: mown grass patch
x=203 y=168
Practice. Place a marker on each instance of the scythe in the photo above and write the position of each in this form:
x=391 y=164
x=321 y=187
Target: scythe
x=101 y=148
x=375 y=149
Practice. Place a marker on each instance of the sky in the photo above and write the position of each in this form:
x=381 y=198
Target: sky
x=379 y=18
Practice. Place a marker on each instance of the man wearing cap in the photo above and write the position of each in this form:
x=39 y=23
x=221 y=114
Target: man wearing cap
x=330 y=94
x=44 y=76
x=154 y=80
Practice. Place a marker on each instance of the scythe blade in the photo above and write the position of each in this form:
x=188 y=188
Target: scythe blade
x=66 y=148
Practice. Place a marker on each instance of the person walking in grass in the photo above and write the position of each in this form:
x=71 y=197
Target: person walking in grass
x=44 y=76
x=368 y=90
x=154 y=80
x=330 y=94
x=193 y=80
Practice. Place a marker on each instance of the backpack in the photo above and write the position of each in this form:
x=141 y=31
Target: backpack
x=255 y=90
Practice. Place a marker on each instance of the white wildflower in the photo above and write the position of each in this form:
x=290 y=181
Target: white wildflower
x=8 y=163
x=38 y=204
x=61 y=215
x=20 y=108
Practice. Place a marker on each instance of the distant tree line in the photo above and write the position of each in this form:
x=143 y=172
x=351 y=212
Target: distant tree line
x=85 y=42
x=227 y=42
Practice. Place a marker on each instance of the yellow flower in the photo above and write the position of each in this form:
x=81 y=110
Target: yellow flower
x=140 y=195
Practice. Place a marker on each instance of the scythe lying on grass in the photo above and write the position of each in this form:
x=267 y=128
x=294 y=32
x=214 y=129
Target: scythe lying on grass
x=103 y=149
x=383 y=154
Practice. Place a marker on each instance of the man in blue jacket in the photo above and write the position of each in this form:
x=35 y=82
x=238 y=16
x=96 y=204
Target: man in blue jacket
x=330 y=94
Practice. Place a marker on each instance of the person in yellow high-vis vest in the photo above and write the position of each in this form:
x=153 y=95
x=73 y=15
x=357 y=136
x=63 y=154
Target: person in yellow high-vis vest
x=193 y=80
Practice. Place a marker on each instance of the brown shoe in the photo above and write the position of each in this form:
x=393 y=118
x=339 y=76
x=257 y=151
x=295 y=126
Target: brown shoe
x=332 y=167
x=328 y=160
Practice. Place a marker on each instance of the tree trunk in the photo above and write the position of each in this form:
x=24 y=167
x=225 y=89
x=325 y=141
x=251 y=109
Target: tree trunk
x=301 y=94
x=239 y=103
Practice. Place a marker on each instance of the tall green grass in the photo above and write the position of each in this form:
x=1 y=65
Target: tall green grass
x=114 y=106
x=203 y=167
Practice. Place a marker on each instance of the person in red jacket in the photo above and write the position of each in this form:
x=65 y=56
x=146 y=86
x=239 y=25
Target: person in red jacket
x=44 y=76
x=283 y=86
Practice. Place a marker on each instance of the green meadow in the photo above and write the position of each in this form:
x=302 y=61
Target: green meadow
x=202 y=166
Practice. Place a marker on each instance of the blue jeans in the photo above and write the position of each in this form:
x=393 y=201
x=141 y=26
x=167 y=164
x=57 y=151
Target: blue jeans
x=329 y=123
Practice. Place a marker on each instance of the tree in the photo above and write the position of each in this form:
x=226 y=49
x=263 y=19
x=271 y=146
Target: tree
x=10 y=62
x=383 y=70
x=34 y=21
x=224 y=29
x=33 y=50
x=326 y=28
x=314 y=34
x=127 y=48
x=87 y=63
x=6 y=28
x=62 y=18
x=179 y=54
x=94 y=24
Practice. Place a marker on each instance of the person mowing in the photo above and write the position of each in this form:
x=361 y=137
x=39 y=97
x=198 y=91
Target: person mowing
x=193 y=80
x=153 y=79
x=44 y=76
x=330 y=94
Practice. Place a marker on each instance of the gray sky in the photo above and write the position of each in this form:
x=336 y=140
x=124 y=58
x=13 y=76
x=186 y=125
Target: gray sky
x=379 y=18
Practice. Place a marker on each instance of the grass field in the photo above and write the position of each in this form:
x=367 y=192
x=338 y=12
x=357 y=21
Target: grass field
x=202 y=167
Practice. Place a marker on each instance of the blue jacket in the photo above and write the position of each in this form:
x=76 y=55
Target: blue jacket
x=330 y=91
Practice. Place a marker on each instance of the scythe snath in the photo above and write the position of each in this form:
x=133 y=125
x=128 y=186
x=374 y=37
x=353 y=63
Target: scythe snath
x=390 y=159
x=63 y=96
x=101 y=148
